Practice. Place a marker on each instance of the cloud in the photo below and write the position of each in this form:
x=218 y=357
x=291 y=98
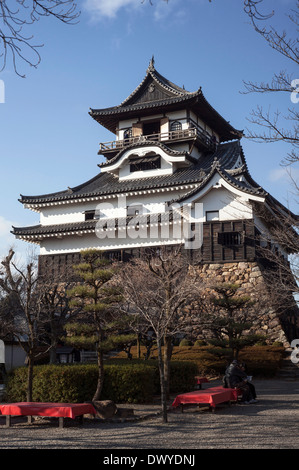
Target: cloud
x=164 y=9
x=161 y=9
x=284 y=174
x=109 y=8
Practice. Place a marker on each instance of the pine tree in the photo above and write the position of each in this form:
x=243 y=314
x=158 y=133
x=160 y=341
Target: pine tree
x=97 y=296
x=229 y=317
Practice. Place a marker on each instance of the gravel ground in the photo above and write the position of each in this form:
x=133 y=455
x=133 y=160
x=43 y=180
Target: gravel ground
x=272 y=423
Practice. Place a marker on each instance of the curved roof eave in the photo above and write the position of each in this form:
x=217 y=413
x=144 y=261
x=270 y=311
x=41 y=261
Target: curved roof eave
x=146 y=143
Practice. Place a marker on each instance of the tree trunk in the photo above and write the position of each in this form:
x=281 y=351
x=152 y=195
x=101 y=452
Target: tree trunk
x=162 y=383
x=100 y=382
x=138 y=347
x=167 y=356
x=29 y=377
x=53 y=350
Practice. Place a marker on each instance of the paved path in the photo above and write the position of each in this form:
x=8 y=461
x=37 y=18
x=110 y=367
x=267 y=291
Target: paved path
x=272 y=423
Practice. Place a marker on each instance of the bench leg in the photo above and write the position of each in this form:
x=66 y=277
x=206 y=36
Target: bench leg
x=29 y=419
x=61 y=422
x=8 y=421
x=80 y=419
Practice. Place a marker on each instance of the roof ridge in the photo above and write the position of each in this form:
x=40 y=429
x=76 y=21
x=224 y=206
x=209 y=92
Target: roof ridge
x=163 y=81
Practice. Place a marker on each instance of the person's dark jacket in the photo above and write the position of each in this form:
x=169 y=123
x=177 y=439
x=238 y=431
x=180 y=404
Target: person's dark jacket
x=234 y=375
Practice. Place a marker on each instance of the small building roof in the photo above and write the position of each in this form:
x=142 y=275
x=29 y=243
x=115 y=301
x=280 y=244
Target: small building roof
x=154 y=95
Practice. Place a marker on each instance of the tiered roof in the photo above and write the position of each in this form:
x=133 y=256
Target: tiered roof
x=188 y=181
x=105 y=184
x=155 y=94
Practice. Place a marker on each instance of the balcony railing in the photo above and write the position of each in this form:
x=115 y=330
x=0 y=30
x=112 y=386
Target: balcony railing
x=178 y=135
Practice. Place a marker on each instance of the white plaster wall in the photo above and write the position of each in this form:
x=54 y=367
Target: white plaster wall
x=64 y=214
x=231 y=206
x=129 y=238
x=228 y=204
x=112 y=207
x=177 y=115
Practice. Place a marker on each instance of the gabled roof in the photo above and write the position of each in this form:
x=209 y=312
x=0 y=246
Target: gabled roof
x=156 y=94
x=165 y=88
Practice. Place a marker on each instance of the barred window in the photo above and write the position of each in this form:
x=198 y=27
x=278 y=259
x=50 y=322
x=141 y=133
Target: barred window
x=176 y=126
x=229 y=238
x=128 y=133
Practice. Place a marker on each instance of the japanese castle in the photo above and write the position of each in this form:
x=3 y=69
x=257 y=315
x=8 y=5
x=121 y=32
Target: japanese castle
x=171 y=149
x=173 y=157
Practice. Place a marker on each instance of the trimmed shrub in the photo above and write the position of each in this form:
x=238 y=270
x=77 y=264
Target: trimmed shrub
x=51 y=383
x=129 y=383
x=182 y=375
x=124 y=381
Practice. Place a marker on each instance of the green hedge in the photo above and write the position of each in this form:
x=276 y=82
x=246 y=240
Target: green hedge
x=124 y=382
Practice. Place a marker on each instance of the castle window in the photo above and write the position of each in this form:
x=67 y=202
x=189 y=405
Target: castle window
x=90 y=215
x=229 y=238
x=128 y=133
x=176 y=126
x=145 y=163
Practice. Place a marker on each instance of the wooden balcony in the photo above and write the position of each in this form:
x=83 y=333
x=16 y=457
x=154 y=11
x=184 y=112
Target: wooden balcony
x=196 y=133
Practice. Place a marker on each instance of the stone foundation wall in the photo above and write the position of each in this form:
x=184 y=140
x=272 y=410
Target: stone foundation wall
x=249 y=275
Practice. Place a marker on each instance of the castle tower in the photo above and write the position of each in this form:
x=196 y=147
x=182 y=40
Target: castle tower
x=174 y=162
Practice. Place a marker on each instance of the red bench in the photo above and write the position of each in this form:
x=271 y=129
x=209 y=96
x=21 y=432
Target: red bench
x=210 y=396
x=58 y=410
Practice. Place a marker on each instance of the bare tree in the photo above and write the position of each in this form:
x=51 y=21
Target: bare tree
x=270 y=127
x=15 y=18
x=34 y=309
x=157 y=286
x=55 y=311
x=20 y=285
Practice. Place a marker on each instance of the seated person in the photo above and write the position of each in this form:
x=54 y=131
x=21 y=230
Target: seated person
x=250 y=385
x=237 y=378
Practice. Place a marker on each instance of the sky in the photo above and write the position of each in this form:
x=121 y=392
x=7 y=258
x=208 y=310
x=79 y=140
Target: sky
x=48 y=141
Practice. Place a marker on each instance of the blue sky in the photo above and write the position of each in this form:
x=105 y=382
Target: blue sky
x=49 y=141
